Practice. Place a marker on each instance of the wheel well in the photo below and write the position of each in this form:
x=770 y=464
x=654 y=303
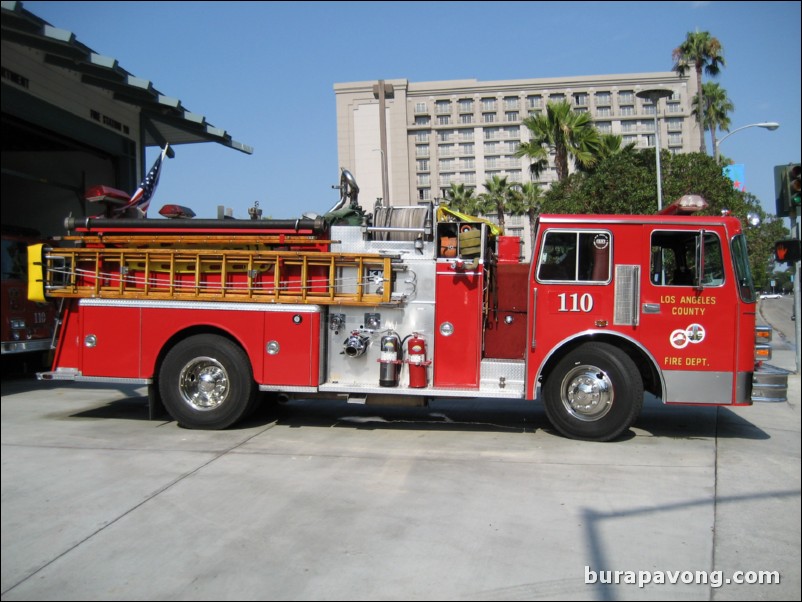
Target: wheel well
x=646 y=366
x=183 y=334
x=156 y=407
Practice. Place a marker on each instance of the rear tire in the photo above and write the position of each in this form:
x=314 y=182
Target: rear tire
x=594 y=393
x=206 y=382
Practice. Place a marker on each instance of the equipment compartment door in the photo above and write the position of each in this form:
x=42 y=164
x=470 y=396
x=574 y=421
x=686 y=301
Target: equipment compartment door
x=292 y=347
x=458 y=326
x=111 y=340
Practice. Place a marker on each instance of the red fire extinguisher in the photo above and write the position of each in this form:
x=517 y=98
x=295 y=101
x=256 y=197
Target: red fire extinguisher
x=416 y=359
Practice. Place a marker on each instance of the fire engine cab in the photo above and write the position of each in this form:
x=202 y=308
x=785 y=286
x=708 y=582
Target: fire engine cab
x=407 y=305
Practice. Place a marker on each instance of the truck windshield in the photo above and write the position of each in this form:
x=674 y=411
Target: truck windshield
x=13 y=259
x=746 y=286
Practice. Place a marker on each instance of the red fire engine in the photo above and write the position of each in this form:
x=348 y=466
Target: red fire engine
x=410 y=304
x=27 y=326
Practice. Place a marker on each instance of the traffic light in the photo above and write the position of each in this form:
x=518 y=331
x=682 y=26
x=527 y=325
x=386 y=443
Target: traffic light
x=787 y=251
x=788 y=188
x=793 y=185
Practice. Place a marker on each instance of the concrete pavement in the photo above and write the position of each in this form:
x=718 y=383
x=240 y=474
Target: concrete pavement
x=336 y=502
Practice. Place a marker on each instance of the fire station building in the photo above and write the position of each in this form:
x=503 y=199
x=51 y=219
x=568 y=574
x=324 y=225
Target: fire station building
x=73 y=119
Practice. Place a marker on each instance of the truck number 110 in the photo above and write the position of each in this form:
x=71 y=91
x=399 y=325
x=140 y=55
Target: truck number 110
x=576 y=302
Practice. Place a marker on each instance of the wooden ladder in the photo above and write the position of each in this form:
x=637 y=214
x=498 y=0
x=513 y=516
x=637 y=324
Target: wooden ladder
x=219 y=274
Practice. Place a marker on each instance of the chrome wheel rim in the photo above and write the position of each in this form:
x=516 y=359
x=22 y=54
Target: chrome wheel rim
x=587 y=393
x=204 y=383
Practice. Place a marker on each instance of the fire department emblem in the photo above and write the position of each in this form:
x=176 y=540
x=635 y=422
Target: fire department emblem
x=693 y=334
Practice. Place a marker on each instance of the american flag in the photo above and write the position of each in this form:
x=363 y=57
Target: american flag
x=141 y=198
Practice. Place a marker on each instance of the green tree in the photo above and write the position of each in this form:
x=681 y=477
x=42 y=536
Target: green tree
x=760 y=242
x=694 y=173
x=569 y=134
x=612 y=144
x=717 y=110
x=626 y=184
x=702 y=52
x=496 y=197
x=622 y=183
x=526 y=199
x=462 y=199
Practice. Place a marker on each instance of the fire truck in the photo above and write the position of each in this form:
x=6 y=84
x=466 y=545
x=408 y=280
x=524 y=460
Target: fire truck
x=27 y=327
x=406 y=305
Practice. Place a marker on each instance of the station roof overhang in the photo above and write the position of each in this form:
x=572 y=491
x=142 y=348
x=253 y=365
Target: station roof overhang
x=164 y=119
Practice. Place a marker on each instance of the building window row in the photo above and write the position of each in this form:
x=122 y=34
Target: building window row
x=637 y=126
x=538 y=101
x=454 y=150
x=497 y=148
x=600 y=112
x=444 y=180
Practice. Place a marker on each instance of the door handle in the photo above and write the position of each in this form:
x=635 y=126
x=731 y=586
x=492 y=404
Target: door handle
x=651 y=308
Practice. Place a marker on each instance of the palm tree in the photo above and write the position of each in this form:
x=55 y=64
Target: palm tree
x=527 y=199
x=537 y=153
x=604 y=147
x=611 y=144
x=567 y=133
x=703 y=52
x=716 y=111
x=462 y=199
x=496 y=198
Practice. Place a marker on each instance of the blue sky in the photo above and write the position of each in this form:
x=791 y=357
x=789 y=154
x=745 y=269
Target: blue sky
x=265 y=72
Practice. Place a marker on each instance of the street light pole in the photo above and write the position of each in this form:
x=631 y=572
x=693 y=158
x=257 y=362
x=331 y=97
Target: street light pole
x=654 y=95
x=768 y=125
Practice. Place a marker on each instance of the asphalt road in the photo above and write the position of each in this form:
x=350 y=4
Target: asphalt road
x=778 y=312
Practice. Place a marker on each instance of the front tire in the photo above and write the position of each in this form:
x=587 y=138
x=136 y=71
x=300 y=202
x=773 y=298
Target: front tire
x=206 y=382
x=594 y=393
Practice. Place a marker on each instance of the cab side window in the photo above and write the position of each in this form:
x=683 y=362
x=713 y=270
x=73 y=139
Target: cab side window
x=675 y=259
x=575 y=256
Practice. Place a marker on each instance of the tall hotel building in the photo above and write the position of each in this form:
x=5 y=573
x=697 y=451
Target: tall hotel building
x=466 y=131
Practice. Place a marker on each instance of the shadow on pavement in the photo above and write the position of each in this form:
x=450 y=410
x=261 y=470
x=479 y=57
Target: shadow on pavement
x=491 y=415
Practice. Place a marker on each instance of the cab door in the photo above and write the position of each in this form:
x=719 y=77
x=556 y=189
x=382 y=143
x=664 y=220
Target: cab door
x=689 y=312
x=571 y=290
